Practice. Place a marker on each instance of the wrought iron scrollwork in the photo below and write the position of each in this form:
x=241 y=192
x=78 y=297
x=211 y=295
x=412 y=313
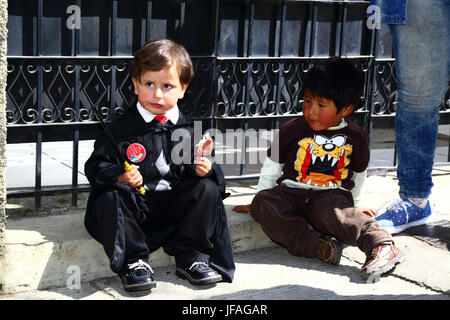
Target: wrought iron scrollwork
x=47 y=91
x=44 y=91
x=258 y=87
x=266 y=87
x=198 y=98
x=21 y=107
x=385 y=88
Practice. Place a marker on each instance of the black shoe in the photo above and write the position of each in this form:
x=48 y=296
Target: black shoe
x=199 y=273
x=138 y=278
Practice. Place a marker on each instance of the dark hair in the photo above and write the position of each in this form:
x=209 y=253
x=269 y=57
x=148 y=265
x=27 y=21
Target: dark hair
x=336 y=79
x=160 y=54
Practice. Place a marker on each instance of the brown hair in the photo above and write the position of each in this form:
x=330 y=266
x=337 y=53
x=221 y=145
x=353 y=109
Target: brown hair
x=160 y=54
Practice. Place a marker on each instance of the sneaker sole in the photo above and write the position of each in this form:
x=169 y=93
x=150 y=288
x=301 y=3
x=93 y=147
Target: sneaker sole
x=400 y=258
x=139 y=287
x=403 y=227
x=183 y=275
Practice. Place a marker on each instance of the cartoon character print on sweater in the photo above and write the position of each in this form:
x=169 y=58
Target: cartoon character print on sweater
x=322 y=161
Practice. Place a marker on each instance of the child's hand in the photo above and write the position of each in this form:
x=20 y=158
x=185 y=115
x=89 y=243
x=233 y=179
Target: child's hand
x=202 y=166
x=133 y=178
x=204 y=147
x=243 y=208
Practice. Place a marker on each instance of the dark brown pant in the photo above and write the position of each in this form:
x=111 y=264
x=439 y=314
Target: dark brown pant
x=295 y=218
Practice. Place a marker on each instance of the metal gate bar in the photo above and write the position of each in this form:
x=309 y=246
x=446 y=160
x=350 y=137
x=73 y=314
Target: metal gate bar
x=52 y=96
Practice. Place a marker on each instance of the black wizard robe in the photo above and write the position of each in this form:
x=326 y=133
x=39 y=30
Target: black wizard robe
x=103 y=167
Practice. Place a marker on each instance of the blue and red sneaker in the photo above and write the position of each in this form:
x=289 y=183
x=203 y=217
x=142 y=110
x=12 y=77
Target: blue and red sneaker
x=403 y=214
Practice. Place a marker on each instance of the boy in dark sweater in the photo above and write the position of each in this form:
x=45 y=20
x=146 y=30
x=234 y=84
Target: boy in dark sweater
x=304 y=201
x=182 y=209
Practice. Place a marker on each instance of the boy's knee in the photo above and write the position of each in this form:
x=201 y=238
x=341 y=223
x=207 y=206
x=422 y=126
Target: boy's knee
x=104 y=200
x=109 y=200
x=258 y=203
x=206 y=183
x=257 y=199
x=205 y=187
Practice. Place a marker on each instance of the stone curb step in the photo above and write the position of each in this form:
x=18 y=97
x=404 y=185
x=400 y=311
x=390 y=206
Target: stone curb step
x=43 y=252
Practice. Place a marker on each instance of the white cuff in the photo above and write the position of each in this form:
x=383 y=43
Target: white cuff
x=270 y=172
x=359 y=178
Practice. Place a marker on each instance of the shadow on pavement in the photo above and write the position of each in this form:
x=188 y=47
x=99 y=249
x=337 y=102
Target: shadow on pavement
x=435 y=233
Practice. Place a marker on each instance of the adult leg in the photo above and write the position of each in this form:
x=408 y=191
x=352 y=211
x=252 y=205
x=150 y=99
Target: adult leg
x=422 y=64
x=422 y=60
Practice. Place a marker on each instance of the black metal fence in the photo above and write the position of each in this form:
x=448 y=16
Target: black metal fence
x=67 y=57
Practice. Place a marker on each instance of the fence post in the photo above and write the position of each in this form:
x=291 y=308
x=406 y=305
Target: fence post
x=3 y=77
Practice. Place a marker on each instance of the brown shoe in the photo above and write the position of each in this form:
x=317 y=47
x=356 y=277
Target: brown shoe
x=382 y=259
x=328 y=249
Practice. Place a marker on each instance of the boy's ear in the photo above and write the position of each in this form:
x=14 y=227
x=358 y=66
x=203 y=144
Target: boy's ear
x=183 y=90
x=135 y=83
x=347 y=110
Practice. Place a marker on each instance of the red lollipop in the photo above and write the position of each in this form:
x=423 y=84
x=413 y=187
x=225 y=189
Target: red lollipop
x=136 y=152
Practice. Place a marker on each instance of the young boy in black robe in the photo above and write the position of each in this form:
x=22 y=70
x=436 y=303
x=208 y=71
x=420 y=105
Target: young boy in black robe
x=182 y=209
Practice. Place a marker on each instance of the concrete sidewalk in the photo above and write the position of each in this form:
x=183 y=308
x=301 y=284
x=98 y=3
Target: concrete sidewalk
x=39 y=255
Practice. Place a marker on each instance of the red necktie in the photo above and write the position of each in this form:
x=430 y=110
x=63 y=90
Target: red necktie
x=162 y=119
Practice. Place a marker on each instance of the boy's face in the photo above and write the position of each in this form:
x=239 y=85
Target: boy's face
x=159 y=91
x=321 y=113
